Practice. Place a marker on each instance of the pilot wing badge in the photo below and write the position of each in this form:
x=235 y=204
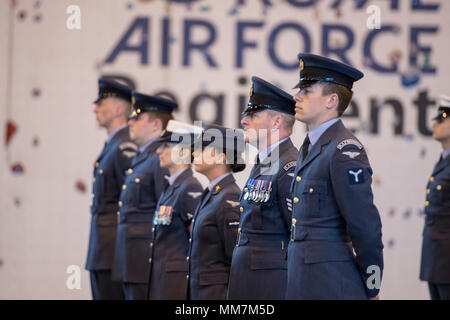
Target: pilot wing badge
x=351 y=154
x=195 y=195
x=233 y=203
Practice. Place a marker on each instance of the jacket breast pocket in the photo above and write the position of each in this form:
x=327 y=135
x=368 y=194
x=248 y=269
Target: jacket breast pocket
x=131 y=192
x=443 y=190
x=312 y=195
x=99 y=184
x=146 y=189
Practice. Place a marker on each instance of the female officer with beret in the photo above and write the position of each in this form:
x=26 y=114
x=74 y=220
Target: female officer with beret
x=216 y=220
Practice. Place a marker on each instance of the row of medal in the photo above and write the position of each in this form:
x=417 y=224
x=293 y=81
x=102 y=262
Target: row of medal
x=258 y=190
x=163 y=215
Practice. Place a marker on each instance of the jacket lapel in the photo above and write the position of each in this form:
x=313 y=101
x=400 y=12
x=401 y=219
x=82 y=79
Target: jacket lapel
x=217 y=188
x=104 y=151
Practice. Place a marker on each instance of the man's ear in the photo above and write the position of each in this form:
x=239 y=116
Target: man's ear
x=157 y=123
x=276 y=124
x=116 y=107
x=332 y=101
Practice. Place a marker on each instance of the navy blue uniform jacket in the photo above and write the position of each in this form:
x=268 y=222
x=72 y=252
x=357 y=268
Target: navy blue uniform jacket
x=259 y=267
x=109 y=174
x=170 y=245
x=336 y=245
x=435 y=265
x=140 y=192
x=213 y=235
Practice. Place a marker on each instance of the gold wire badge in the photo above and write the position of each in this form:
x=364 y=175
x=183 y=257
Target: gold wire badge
x=301 y=65
x=133 y=100
x=251 y=91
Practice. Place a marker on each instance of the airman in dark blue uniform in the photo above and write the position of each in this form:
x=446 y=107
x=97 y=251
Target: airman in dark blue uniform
x=435 y=267
x=141 y=190
x=176 y=206
x=259 y=267
x=111 y=108
x=335 y=250
x=215 y=223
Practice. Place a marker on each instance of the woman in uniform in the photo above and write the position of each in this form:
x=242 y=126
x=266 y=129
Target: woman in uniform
x=215 y=224
x=176 y=206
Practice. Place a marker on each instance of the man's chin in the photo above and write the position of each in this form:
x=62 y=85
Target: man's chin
x=163 y=165
x=299 y=117
x=198 y=168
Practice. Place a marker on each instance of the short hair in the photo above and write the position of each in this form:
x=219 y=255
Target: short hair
x=164 y=117
x=126 y=105
x=287 y=120
x=344 y=94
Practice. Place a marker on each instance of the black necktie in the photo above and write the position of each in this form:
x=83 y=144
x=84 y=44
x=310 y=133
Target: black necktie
x=305 y=147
